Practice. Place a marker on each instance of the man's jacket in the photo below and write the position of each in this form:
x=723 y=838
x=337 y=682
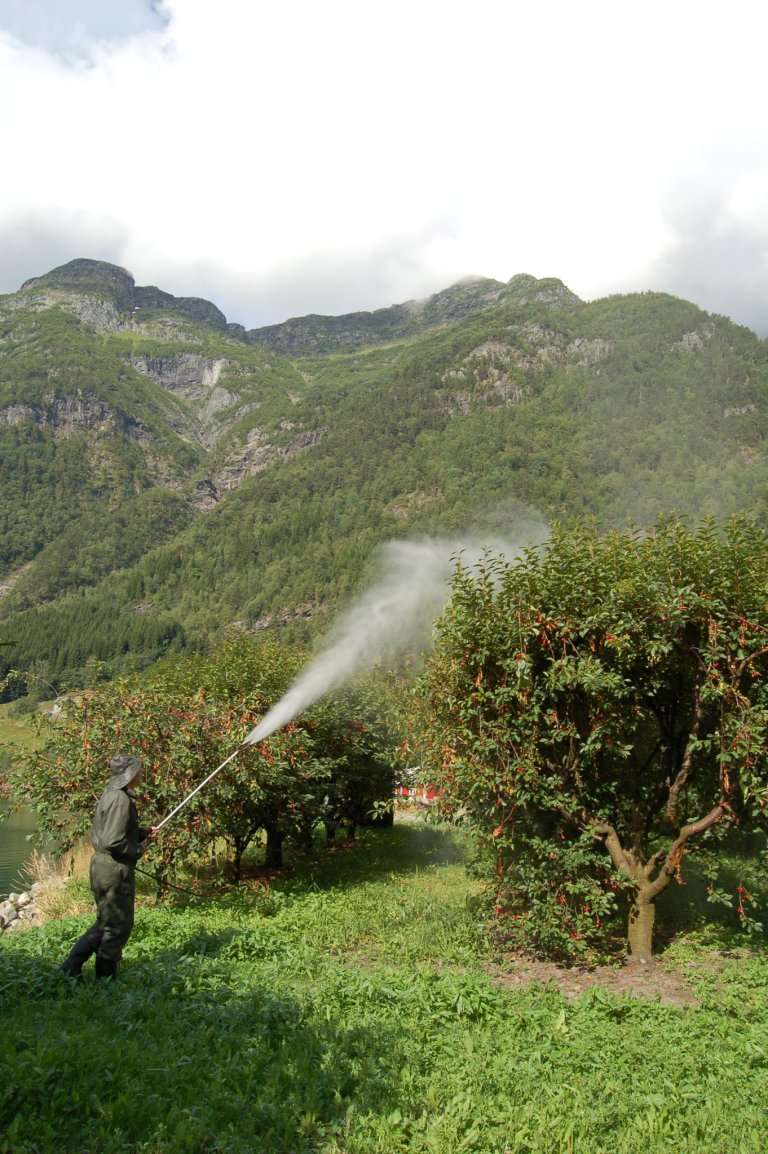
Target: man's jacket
x=116 y=830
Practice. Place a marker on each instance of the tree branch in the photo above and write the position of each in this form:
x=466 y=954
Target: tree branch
x=619 y=856
x=739 y=671
x=686 y=769
x=676 y=850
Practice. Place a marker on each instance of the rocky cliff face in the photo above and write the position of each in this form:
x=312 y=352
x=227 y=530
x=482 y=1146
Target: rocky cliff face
x=196 y=379
x=159 y=338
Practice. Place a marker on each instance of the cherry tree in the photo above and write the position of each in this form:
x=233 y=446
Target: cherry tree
x=595 y=708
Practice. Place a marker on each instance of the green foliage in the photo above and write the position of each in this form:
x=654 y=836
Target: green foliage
x=95 y=545
x=602 y=693
x=349 y=1009
x=84 y=629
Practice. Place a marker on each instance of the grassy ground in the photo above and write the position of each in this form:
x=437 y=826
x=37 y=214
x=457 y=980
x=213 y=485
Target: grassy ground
x=349 y=1008
x=15 y=730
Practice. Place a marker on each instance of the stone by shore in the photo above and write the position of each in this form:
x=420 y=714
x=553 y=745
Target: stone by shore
x=20 y=910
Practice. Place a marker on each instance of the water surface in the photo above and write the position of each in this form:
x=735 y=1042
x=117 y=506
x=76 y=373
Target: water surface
x=15 y=850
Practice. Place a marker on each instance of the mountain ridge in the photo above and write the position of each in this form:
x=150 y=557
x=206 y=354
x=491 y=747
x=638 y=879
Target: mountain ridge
x=468 y=295
x=163 y=479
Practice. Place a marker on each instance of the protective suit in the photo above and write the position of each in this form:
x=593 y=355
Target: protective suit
x=118 y=843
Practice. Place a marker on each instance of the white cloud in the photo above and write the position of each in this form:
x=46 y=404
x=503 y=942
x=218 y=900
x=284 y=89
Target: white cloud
x=71 y=29
x=284 y=159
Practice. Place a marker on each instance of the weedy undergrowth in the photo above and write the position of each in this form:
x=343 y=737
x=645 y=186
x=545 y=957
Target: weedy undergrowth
x=348 y=1009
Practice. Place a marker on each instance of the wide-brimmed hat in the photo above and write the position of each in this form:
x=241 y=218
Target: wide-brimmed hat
x=123 y=767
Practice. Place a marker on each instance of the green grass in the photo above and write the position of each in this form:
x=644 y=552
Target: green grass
x=15 y=730
x=347 y=1009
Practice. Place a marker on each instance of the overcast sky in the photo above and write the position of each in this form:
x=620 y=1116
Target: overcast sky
x=305 y=156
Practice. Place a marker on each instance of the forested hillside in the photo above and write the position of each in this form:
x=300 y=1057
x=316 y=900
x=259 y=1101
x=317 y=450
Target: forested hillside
x=167 y=478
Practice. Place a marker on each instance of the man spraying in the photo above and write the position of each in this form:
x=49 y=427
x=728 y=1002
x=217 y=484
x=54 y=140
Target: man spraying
x=118 y=842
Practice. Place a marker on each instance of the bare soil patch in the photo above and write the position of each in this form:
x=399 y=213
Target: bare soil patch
x=653 y=979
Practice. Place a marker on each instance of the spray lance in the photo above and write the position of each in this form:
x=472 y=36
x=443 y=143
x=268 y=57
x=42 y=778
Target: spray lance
x=167 y=818
x=251 y=739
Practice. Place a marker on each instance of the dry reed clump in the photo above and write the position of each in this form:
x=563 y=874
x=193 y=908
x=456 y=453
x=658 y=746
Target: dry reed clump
x=60 y=891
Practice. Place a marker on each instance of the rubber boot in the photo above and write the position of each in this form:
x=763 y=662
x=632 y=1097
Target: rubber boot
x=106 y=968
x=82 y=950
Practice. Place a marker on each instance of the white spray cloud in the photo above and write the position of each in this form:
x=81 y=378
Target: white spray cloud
x=394 y=615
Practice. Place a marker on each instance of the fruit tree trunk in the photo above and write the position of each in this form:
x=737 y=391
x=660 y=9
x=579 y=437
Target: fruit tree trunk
x=642 y=915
